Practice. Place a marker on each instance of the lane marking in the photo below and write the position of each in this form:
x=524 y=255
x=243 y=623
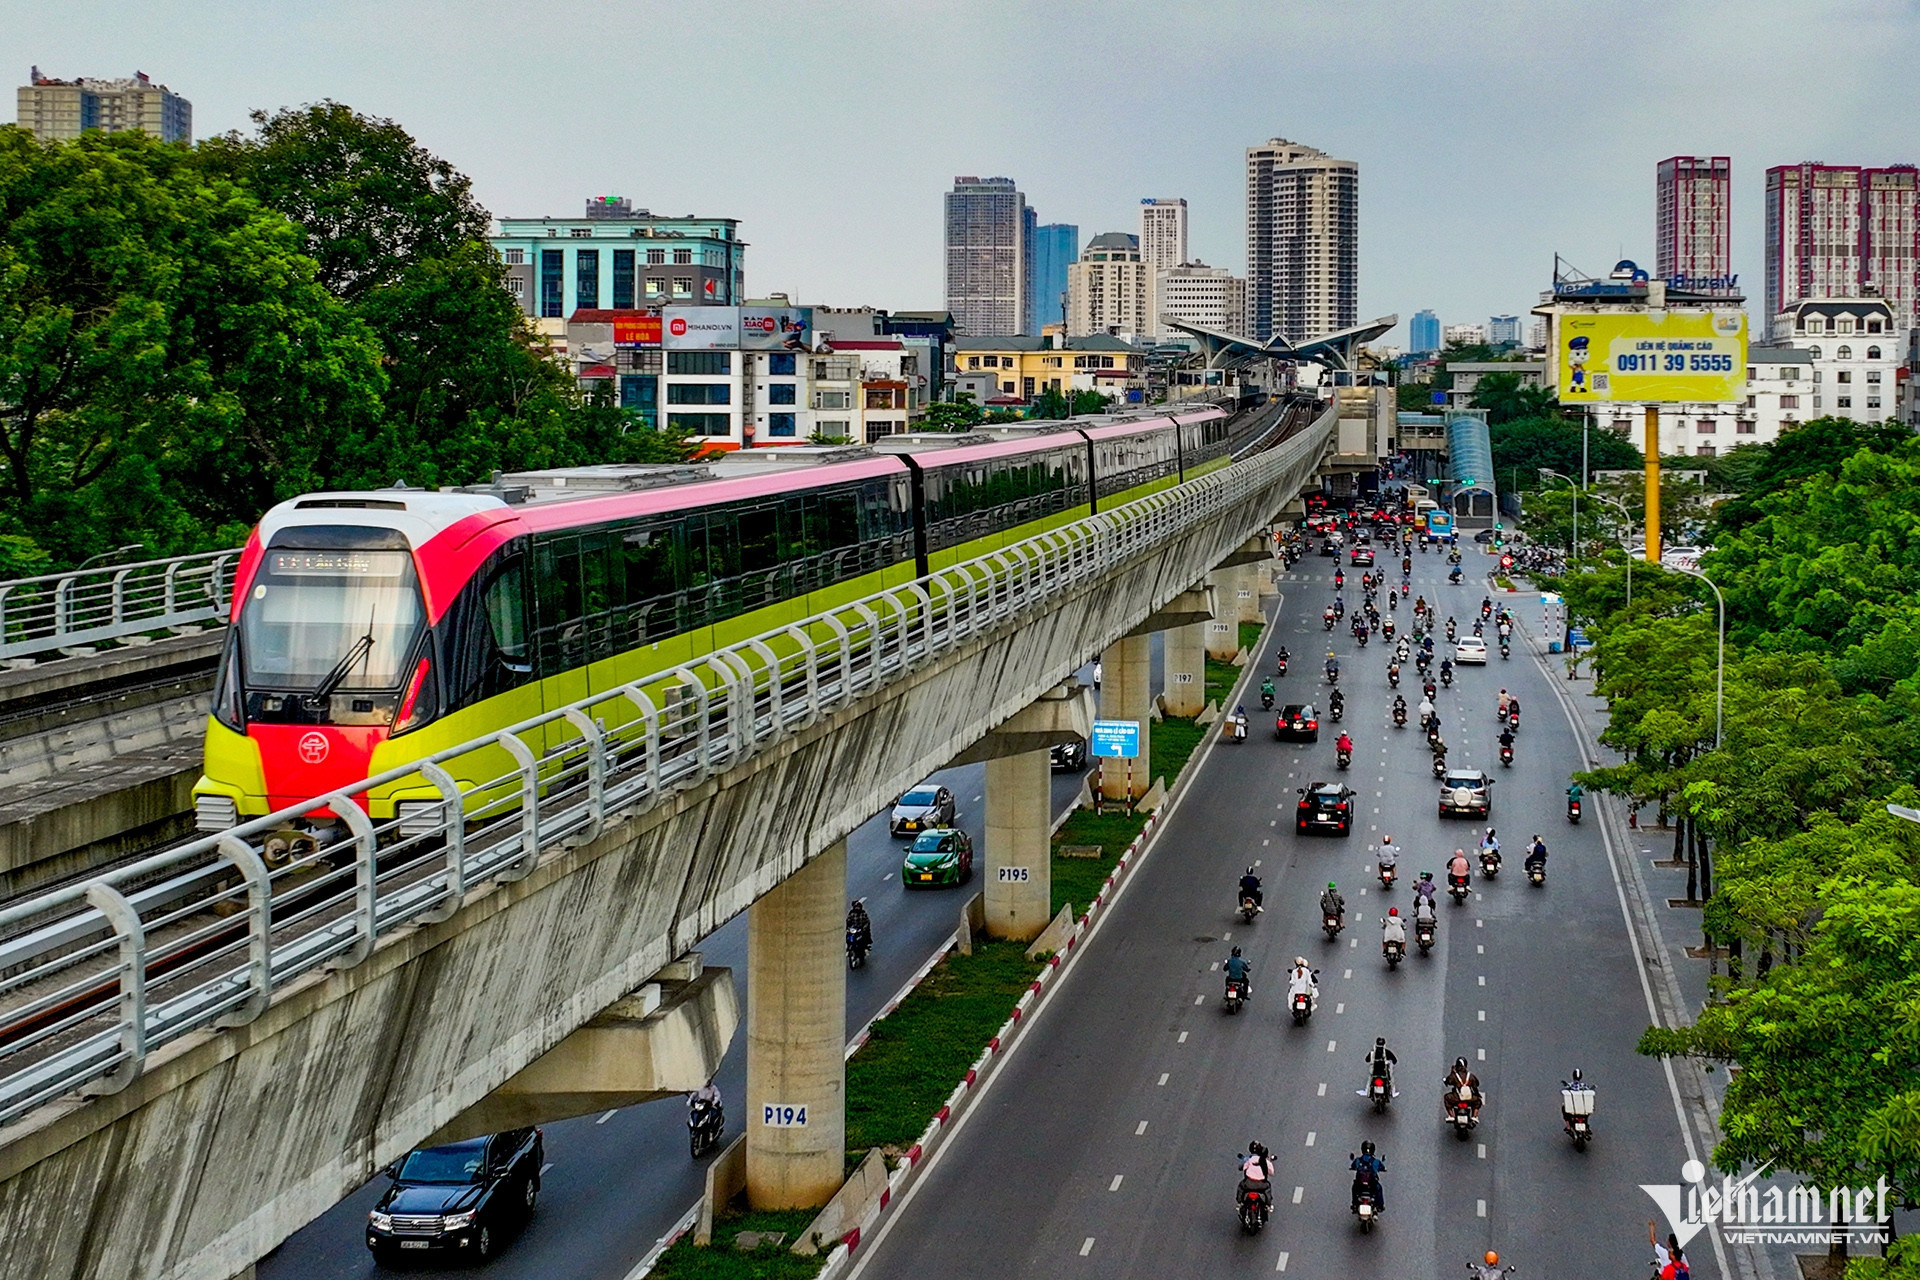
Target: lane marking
x=1087 y=1246
x=1311 y=1135
x=1479 y=924
x=1323 y=1089
x=1480 y=948
x=610 y=1115
x=1199 y=999
x=886 y=877
x=1483 y=979
x=1213 y=966
x=1354 y=942
x=1340 y=1008
x=1482 y=1053
x=1227 y=936
x=1256 y=862
x=1483 y=1151
x=1479 y=1211
x=1330 y=1045
x=1183 y=1035
x=1163 y=1082
x=1483 y=1018
x=1115 y=1184
x=1263 y=844
x=1282 y=1264
x=1142 y=1126
x=1297 y=1193
x=1347 y=974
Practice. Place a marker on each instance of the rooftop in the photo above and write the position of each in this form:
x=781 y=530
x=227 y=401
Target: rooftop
x=1027 y=342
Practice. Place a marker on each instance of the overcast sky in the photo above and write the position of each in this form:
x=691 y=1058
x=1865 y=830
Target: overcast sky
x=1489 y=136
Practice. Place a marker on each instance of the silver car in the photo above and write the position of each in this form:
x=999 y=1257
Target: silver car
x=1466 y=793
x=927 y=806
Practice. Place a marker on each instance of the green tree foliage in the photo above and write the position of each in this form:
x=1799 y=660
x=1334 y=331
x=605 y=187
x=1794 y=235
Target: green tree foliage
x=1054 y=404
x=1815 y=448
x=1522 y=446
x=1507 y=399
x=960 y=414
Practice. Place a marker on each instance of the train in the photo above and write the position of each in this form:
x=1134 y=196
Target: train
x=372 y=629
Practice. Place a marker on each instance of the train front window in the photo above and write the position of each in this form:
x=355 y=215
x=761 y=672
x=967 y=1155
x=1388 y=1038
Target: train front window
x=319 y=622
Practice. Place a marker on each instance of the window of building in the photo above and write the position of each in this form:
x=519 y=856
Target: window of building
x=1800 y=324
x=699 y=393
x=1846 y=325
x=586 y=279
x=1704 y=451
x=1749 y=373
x=832 y=426
x=700 y=424
x=781 y=393
x=655 y=286
x=517 y=287
x=683 y=257
x=552 y=231
x=514 y=257
x=1704 y=426
x=1789 y=402
x=1873 y=326
x=1815 y=353
x=1749 y=402
x=1844 y=353
x=552 y=282
x=973 y=362
x=1788 y=373
x=656 y=257
x=1843 y=402
x=1873 y=375
x=1026 y=387
x=833 y=399
x=782 y=363
x=1816 y=374
x=876 y=430
x=700 y=362
x=1007 y=387
x=683 y=286
x=623 y=278
x=1873 y=402
x=1744 y=428
x=780 y=424
x=1873 y=353
x=581 y=233
x=1623 y=425
x=1845 y=375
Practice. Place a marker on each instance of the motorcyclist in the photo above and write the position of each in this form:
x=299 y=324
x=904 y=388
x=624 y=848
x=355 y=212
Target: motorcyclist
x=1490 y=841
x=1459 y=867
x=1256 y=1174
x=1240 y=721
x=1337 y=702
x=1446 y=670
x=1238 y=970
x=1486 y=606
x=1250 y=888
x=1332 y=903
x=1367 y=1168
x=1380 y=1061
x=1266 y=690
x=1302 y=980
x=1424 y=892
x=1333 y=668
x=1506 y=739
x=1575 y=793
x=1387 y=855
x=1426 y=711
x=1463 y=1075
x=1452 y=627
x=1399 y=705
x=1536 y=853
x=1490 y=1271
x=1393 y=929
x=858 y=924
x=1393 y=674
x=1339 y=578
x=1453 y=575
x=1343 y=743
x=1505 y=698
x=1326 y=617
x=1513 y=708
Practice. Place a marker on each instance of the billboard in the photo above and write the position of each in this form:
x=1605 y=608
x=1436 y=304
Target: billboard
x=700 y=328
x=636 y=331
x=1662 y=357
x=776 y=328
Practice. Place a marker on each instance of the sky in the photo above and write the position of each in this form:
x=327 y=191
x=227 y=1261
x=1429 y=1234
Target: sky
x=1489 y=136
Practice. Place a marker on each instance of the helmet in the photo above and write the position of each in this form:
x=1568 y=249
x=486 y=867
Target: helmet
x=1393 y=911
x=1389 y=839
x=1489 y=830
x=1366 y=1148
x=1236 y=951
x=1426 y=875
x=1459 y=1064
x=1378 y=1042
x=1300 y=962
x=1330 y=884
x=1493 y=1259
x=1576 y=1075
x=1250 y=869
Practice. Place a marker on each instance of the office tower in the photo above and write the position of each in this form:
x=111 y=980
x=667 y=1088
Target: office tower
x=1692 y=202
x=1504 y=329
x=1843 y=231
x=1107 y=289
x=1211 y=297
x=1029 y=239
x=1056 y=246
x=987 y=260
x=1423 y=332
x=1163 y=233
x=61 y=110
x=1303 y=241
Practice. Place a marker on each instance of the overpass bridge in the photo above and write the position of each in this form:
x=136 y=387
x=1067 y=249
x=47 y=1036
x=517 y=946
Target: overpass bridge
x=199 y=1054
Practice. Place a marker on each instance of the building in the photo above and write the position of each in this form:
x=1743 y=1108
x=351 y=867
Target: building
x=1303 y=242
x=1464 y=335
x=1193 y=292
x=1468 y=373
x=1163 y=234
x=1056 y=246
x=1843 y=231
x=1013 y=370
x=62 y=110
x=989 y=264
x=1423 y=332
x=1108 y=288
x=1693 y=201
x=1856 y=352
x=1504 y=331
x=1537 y=334
x=615 y=257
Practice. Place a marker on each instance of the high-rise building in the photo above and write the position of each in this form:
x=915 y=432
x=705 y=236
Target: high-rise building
x=1303 y=241
x=1693 y=198
x=1844 y=231
x=1423 y=332
x=1056 y=246
x=61 y=110
x=1107 y=289
x=988 y=264
x=1029 y=260
x=1163 y=233
x=1503 y=329
x=1464 y=335
x=1196 y=293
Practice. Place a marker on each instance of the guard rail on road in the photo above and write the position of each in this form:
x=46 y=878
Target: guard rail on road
x=98 y=975
x=85 y=606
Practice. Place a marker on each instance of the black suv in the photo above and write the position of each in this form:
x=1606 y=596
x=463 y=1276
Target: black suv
x=1324 y=806
x=461 y=1199
x=1069 y=757
x=1297 y=721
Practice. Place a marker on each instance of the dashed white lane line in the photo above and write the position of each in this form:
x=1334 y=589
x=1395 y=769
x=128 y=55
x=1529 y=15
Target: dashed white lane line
x=1483 y=1151
x=1199 y=999
x=1340 y=1008
x=1483 y=979
x=1256 y=862
x=1353 y=942
x=1086 y=1246
x=1479 y=1208
x=1479 y=924
x=1273 y=822
x=1183 y=1035
x=1297 y=1193
x=1482 y=1053
x=1227 y=936
x=1163 y=1079
x=1480 y=948
x=610 y=1115
x=1142 y=1126
x=1213 y=966
x=1282 y=1264
x=1331 y=1044
x=1483 y=1018
x=1347 y=974
x=1115 y=1184
x=1323 y=1089
x=1263 y=844
x=1311 y=1135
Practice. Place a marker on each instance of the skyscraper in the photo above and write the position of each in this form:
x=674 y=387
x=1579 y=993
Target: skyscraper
x=1691 y=212
x=1423 y=332
x=61 y=110
x=1843 y=231
x=1303 y=241
x=1056 y=246
x=1108 y=289
x=988 y=264
x=1163 y=233
x=1503 y=329
x=1029 y=240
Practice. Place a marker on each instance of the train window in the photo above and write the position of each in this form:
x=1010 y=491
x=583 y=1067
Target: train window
x=506 y=609
x=652 y=591
x=759 y=538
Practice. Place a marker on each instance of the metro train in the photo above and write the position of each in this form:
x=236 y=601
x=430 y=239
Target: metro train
x=372 y=629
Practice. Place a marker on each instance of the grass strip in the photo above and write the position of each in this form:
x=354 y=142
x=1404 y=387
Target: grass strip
x=685 y=1260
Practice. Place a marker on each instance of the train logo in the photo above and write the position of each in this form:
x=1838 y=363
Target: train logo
x=313 y=748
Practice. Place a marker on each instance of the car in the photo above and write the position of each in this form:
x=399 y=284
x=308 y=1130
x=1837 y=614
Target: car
x=1068 y=757
x=1297 y=722
x=1324 y=806
x=460 y=1200
x=927 y=806
x=1485 y=536
x=1362 y=556
x=1466 y=793
x=1470 y=649
x=943 y=856
x=1330 y=546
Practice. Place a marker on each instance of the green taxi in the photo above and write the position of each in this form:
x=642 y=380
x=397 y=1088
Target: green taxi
x=943 y=856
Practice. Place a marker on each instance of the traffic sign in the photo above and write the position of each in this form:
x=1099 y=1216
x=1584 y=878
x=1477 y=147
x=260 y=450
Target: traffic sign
x=1116 y=739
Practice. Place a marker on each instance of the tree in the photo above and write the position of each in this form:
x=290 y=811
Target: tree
x=1811 y=449
x=958 y=414
x=1505 y=399
x=1054 y=404
x=1522 y=446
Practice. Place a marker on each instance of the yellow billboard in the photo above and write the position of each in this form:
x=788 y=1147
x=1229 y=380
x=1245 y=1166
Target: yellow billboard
x=1662 y=357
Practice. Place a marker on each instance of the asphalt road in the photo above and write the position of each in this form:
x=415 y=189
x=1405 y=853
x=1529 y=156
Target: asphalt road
x=618 y=1182
x=1105 y=1145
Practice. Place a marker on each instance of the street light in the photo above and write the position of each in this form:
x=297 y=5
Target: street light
x=1626 y=543
x=1549 y=471
x=1720 y=677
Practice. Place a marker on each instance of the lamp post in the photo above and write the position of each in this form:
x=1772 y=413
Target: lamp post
x=1549 y=471
x=1720 y=675
x=1626 y=543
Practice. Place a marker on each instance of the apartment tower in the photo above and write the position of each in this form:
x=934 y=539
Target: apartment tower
x=1303 y=242
x=1693 y=198
x=1844 y=231
x=1163 y=233
x=61 y=110
x=989 y=258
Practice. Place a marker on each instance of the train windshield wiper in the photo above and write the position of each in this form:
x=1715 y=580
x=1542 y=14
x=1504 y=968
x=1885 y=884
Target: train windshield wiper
x=348 y=661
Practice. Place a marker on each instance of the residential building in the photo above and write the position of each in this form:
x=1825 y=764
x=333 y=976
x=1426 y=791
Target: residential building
x=1029 y=250
x=1693 y=201
x=1056 y=246
x=1909 y=383
x=1504 y=331
x=1465 y=335
x=1856 y=352
x=1423 y=332
x=616 y=257
x=62 y=110
x=1196 y=293
x=885 y=382
x=1844 y=231
x=1537 y=334
x=1108 y=288
x=1303 y=242
x=1468 y=373
x=1163 y=234
x=1012 y=370
x=989 y=267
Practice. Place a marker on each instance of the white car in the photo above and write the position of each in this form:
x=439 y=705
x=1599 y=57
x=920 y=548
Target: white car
x=1470 y=649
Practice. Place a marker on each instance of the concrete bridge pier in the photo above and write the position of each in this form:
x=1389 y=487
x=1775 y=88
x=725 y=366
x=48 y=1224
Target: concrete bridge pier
x=1126 y=693
x=796 y=1033
x=1185 y=619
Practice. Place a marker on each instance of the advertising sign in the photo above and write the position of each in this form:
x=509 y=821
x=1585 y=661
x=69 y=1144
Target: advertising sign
x=1661 y=357
x=636 y=331
x=765 y=329
x=700 y=328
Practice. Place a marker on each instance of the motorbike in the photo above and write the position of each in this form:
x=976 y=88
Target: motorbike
x=1301 y=1006
x=1283 y=667
x=1327 y=619
x=1234 y=728
x=1505 y=649
x=1490 y=863
x=705 y=1123
x=1573 y=811
x=1379 y=1092
x=1333 y=925
x=1343 y=758
x=1336 y=707
x=1462 y=1116
x=1400 y=721
x=1450 y=633
x=1248 y=908
x=1393 y=676
x=1266 y=697
x=1439 y=766
x=1454 y=577
x=1537 y=873
x=1360 y=634
x=1513 y=720
x=1446 y=676
x=1253 y=1202
x=1386 y=628
x=1506 y=755
x=1423 y=934
x=1368 y=1212
x=1236 y=994
x=1333 y=675
x=1433 y=732
x=1387 y=873
x=1394 y=951
x=858 y=944
x=1576 y=1112
x=1458 y=886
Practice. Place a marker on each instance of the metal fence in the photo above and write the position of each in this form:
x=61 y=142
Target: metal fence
x=98 y=975
x=61 y=610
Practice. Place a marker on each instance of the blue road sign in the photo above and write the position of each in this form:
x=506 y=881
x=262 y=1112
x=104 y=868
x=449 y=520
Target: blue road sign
x=1115 y=739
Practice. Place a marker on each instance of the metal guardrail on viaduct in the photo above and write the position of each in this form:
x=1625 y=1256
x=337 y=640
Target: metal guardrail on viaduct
x=199 y=1055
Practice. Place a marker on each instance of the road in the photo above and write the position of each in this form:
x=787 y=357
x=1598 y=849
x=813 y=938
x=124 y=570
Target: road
x=1105 y=1144
x=618 y=1182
